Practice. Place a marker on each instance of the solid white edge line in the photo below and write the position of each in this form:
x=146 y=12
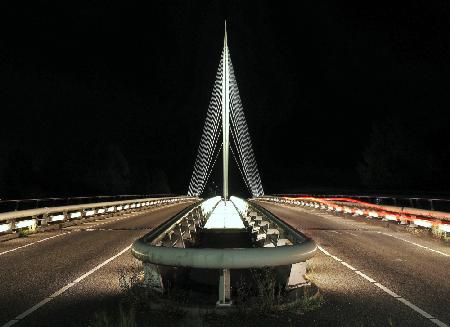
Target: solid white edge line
x=29 y=244
x=106 y=221
x=387 y=291
x=365 y=276
x=62 y=290
x=415 y=308
x=416 y=244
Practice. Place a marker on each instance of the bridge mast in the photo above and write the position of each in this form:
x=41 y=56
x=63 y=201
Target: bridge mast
x=225 y=114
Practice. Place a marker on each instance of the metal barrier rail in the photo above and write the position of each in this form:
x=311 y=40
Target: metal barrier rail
x=32 y=218
x=230 y=258
x=25 y=204
x=432 y=203
x=414 y=217
x=155 y=255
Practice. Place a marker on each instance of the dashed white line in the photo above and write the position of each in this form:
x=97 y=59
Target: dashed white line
x=387 y=290
x=29 y=244
x=90 y=224
x=416 y=244
x=62 y=290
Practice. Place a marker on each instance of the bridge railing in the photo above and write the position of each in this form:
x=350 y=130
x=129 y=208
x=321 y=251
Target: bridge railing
x=426 y=203
x=25 y=204
x=165 y=247
x=437 y=221
x=41 y=217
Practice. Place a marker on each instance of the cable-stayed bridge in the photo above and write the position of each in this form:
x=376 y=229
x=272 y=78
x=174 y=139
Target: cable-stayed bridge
x=377 y=263
x=226 y=110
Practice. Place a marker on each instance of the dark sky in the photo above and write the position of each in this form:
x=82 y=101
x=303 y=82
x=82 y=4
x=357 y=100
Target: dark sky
x=318 y=81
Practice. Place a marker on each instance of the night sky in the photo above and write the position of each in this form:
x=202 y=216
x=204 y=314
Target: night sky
x=110 y=97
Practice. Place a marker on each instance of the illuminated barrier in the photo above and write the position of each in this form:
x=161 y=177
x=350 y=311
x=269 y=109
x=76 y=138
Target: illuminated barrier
x=167 y=247
x=403 y=215
x=34 y=218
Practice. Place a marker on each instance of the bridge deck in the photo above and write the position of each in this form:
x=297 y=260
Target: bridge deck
x=32 y=273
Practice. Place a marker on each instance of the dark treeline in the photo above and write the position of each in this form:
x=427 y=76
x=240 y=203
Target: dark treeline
x=408 y=153
x=111 y=97
x=102 y=169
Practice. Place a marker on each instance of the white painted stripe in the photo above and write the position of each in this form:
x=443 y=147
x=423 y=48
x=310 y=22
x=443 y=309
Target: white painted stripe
x=388 y=291
x=335 y=258
x=125 y=215
x=416 y=308
x=347 y=265
x=416 y=244
x=29 y=244
x=63 y=289
x=10 y=323
x=90 y=224
x=365 y=276
x=438 y=322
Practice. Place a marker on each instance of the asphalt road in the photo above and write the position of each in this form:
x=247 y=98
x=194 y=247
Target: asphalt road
x=369 y=275
x=402 y=263
x=84 y=261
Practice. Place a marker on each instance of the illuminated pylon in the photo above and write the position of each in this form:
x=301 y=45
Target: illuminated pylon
x=225 y=109
x=225 y=113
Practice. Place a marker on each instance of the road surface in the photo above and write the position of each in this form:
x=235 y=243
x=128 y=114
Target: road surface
x=385 y=277
x=369 y=275
x=76 y=268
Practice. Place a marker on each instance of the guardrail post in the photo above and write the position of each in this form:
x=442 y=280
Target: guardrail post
x=224 y=288
x=44 y=220
x=152 y=277
x=297 y=276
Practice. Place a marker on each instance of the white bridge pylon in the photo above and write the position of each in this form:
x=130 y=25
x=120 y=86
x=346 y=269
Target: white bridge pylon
x=225 y=109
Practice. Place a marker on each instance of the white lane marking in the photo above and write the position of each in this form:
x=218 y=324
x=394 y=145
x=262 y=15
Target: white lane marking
x=348 y=266
x=352 y=234
x=416 y=308
x=107 y=220
x=416 y=244
x=388 y=291
x=63 y=289
x=29 y=244
x=365 y=276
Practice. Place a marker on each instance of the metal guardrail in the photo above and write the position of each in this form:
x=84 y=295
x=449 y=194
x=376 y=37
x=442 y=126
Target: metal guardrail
x=25 y=204
x=33 y=218
x=439 y=221
x=431 y=203
x=151 y=251
x=229 y=258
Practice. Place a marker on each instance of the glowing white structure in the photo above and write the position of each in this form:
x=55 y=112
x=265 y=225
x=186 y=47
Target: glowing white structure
x=225 y=109
x=225 y=114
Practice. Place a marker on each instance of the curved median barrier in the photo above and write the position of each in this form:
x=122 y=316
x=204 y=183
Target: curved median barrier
x=180 y=243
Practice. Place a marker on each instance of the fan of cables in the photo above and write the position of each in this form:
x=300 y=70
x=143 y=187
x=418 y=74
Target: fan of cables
x=208 y=150
x=210 y=136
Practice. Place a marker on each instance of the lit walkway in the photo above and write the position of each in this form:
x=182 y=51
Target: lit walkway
x=224 y=215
